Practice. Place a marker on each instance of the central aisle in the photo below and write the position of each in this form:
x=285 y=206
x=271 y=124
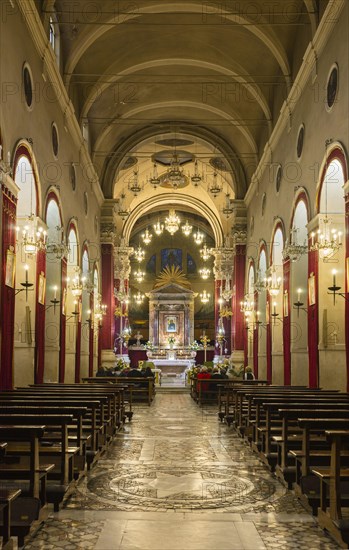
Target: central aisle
x=177 y=479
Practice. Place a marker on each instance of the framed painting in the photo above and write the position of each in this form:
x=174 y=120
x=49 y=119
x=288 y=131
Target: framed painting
x=42 y=288
x=171 y=324
x=10 y=268
x=311 y=290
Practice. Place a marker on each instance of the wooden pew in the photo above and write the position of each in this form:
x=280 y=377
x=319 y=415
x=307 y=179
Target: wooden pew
x=336 y=478
x=7 y=497
x=29 y=509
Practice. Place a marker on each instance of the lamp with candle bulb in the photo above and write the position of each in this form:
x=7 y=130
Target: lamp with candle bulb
x=54 y=302
x=27 y=286
x=299 y=305
x=274 y=315
x=334 y=289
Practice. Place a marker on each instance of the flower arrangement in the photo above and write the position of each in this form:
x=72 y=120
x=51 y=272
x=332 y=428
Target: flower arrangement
x=171 y=340
x=149 y=345
x=194 y=346
x=120 y=364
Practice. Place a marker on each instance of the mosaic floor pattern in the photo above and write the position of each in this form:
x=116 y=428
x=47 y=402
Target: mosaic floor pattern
x=177 y=479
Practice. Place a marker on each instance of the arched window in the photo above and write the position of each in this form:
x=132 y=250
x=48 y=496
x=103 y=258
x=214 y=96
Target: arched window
x=54 y=36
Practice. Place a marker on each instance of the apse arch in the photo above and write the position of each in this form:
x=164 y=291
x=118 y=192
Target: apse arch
x=112 y=168
x=29 y=170
x=162 y=202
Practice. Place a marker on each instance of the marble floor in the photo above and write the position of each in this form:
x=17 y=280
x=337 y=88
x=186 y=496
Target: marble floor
x=177 y=479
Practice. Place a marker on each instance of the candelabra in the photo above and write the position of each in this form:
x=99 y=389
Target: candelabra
x=205 y=273
x=293 y=250
x=328 y=241
x=273 y=283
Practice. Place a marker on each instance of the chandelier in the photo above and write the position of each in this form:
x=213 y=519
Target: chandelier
x=139 y=276
x=122 y=293
x=33 y=236
x=293 y=250
x=139 y=254
x=227 y=292
x=139 y=298
x=175 y=173
x=134 y=185
x=147 y=237
x=198 y=237
x=215 y=188
x=155 y=180
x=260 y=283
x=205 y=297
x=187 y=229
x=205 y=273
x=273 y=283
x=172 y=222
x=227 y=208
x=158 y=228
x=196 y=178
x=328 y=240
x=77 y=284
x=122 y=211
x=205 y=253
x=247 y=307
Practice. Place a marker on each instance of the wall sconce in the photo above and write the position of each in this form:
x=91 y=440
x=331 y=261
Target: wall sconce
x=26 y=285
x=334 y=289
x=54 y=302
x=274 y=315
x=299 y=305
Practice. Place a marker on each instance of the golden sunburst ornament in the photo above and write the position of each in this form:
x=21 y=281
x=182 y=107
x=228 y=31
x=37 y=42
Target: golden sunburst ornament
x=172 y=274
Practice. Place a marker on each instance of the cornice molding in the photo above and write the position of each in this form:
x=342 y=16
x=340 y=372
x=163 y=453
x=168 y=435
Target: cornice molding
x=41 y=42
x=312 y=54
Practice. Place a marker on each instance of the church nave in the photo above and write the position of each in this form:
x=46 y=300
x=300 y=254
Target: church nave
x=178 y=479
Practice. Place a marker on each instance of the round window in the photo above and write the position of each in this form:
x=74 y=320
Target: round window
x=72 y=176
x=27 y=86
x=300 y=141
x=251 y=225
x=278 y=178
x=264 y=203
x=332 y=86
x=55 y=141
x=85 y=203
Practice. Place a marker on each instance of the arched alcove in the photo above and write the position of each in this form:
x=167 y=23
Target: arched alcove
x=26 y=269
x=298 y=286
x=53 y=289
x=73 y=304
x=276 y=297
x=332 y=268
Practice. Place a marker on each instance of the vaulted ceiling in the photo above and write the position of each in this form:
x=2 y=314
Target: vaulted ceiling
x=215 y=73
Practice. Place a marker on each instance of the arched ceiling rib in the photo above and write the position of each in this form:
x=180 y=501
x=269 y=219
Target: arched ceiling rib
x=251 y=86
x=267 y=38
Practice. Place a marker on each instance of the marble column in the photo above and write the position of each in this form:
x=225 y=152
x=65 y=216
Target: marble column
x=346 y=194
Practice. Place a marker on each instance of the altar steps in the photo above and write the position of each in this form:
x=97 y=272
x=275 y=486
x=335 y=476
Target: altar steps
x=172 y=389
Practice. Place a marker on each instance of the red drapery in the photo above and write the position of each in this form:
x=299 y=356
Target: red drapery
x=7 y=307
x=39 y=355
x=255 y=339
x=78 y=347
x=269 y=344
x=91 y=337
x=313 y=322
x=107 y=333
x=238 y=321
x=286 y=326
x=62 y=335
x=347 y=284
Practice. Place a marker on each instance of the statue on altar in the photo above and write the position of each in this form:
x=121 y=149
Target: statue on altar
x=138 y=337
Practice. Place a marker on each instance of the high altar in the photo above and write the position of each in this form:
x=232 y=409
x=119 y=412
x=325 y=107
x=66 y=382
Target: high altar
x=171 y=316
